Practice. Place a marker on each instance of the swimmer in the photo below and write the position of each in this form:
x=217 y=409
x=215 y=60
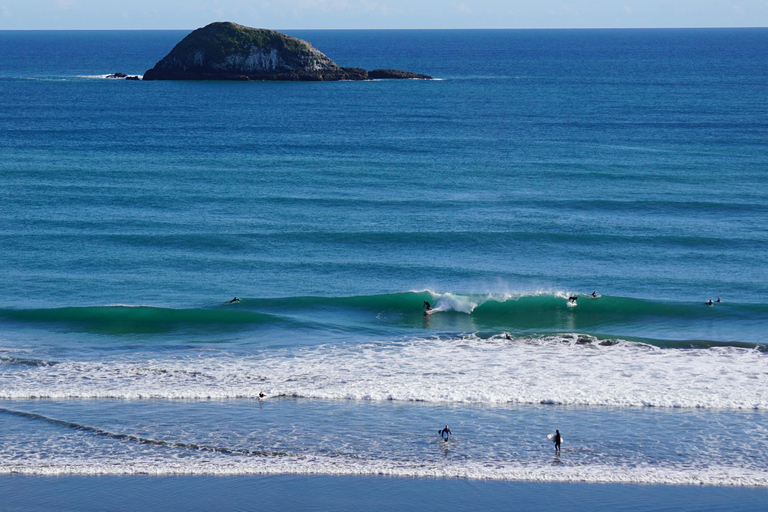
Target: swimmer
x=445 y=433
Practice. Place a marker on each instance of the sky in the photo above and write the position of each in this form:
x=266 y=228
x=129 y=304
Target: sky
x=379 y=14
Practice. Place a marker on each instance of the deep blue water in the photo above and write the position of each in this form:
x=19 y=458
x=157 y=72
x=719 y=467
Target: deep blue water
x=538 y=165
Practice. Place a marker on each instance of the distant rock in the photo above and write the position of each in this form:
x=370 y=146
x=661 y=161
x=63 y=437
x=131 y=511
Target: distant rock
x=227 y=51
x=393 y=73
x=123 y=76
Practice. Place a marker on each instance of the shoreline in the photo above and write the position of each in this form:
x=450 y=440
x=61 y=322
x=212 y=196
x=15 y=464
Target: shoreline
x=300 y=492
x=541 y=476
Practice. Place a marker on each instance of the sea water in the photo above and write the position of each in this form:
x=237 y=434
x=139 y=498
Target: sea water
x=539 y=165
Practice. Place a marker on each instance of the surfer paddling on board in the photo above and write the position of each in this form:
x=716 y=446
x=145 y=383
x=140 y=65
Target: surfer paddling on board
x=233 y=301
x=445 y=433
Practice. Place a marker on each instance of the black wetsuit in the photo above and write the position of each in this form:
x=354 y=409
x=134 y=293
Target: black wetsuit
x=446 y=432
x=557 y=441
x=427 y=305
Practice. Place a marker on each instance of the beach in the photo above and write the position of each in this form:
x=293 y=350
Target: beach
x=313 y=493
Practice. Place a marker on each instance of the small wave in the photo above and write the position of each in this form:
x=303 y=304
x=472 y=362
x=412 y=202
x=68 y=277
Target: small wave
x=134 y=438
x=21 y=361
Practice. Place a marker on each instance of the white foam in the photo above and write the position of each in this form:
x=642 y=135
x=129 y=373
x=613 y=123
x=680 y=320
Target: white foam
x=468 y=303
x=550 y=370
x=108 y=76
x=451 y=302
x=321 y=465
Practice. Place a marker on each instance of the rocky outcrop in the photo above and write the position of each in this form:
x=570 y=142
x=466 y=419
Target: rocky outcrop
x=123 y=76
x=227 y=51
x=393 y=73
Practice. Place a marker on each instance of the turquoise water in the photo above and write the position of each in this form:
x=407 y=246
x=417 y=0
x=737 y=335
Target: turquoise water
x=539 y=165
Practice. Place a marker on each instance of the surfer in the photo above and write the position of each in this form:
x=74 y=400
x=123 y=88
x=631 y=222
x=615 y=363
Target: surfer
x=261 y=395
x=594 y=294
x=709 y=302
x=445 y=433
x=233 y=301
x=572 y=299
x=427 y=305
x=557 y=440
x=718 y=299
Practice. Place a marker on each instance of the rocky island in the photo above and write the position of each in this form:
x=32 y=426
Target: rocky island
x=227 y=51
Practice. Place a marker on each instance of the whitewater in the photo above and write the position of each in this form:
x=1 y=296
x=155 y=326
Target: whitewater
x=564 y=369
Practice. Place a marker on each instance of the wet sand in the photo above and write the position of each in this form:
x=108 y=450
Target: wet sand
x=348 y=493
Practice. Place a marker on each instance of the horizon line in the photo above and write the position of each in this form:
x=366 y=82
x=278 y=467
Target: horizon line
x=362 y=29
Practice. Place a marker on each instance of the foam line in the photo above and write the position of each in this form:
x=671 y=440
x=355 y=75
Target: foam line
x=321 y=465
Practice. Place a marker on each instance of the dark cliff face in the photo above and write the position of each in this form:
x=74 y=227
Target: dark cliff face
x=227 y=51
x=222 y=51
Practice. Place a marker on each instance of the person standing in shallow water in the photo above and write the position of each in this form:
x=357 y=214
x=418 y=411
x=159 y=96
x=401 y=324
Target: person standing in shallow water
x=557 y=440
x=445 y=433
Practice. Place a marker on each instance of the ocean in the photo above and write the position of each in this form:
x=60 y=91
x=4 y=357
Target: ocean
x=627 y=168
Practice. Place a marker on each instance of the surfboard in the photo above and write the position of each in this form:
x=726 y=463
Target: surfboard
x=551 y=437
